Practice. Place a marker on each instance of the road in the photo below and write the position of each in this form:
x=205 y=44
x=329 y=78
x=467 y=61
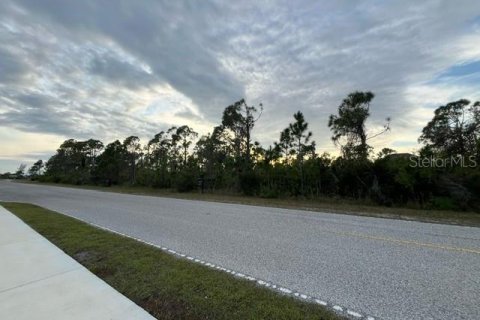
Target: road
x=385 y=268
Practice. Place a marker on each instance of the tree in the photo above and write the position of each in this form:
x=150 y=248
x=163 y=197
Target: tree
x=349 y=125
x=228 y=159
x=212 y=154
x=454 y=129
x=284 y=146
x=240 y=119
x=132 y=147
x=36 y=169
x=110 y=163
x=300 y=137
x=70 y=163
x=162 y=154
x=93 y=148
x=385 y=152
x=157 y=149
x=20 y=173
x=184 y=135
x=268 y=156
x=73 y=151
x=298 y=140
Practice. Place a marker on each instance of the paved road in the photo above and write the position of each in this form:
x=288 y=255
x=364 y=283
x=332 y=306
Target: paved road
x=385 y=268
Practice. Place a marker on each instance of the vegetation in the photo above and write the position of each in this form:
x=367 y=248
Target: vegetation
x=339 y=205
x=442 y=175
x=165 y=286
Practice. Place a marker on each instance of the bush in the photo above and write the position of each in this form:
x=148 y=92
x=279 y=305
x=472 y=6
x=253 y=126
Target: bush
x=268 y=192
x=442 y=203
x=249 y=183
x=186 y=182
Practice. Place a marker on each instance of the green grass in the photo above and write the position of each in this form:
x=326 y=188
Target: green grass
x=324 y=204
x=166 y=286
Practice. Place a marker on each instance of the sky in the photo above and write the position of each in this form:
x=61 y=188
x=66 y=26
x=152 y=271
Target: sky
x=111 y=69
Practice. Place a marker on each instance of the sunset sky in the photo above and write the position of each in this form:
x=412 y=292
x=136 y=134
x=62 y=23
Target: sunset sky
x=110 y=69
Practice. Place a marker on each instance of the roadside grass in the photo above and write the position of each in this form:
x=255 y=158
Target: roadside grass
x=166 y=286
x=324 y=204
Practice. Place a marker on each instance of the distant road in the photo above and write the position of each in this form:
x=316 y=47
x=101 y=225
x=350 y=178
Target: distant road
x=380 y=267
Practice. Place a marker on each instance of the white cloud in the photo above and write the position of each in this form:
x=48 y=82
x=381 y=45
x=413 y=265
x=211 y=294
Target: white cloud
x=110 y=70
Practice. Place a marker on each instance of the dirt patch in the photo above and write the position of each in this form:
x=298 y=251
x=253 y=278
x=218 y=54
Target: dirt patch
x=168 y=308
x=103 y=271
x=87 y=256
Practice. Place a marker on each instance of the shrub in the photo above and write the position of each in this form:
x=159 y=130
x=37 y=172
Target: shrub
x=442 y=203
x=268 y=192
x=186 y=182
x=249 y=183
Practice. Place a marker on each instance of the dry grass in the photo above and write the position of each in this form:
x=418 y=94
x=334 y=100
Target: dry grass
x=332 y=205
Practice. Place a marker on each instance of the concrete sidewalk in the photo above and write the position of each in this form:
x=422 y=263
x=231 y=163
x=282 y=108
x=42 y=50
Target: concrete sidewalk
x=39 y=281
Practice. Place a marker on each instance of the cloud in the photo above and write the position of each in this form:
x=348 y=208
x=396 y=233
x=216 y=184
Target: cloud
x=11 y=69
x=111 y=69
x=172 y=38
x=120 y=72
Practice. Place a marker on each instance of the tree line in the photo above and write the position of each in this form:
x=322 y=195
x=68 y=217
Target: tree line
x=229 y=160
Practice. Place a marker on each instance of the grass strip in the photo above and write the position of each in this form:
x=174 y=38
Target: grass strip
x=166 y=286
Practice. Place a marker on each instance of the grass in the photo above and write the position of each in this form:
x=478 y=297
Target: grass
x=332 y=205
x=166 y=286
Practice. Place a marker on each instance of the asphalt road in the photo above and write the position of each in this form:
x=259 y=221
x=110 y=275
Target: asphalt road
x=384 y=268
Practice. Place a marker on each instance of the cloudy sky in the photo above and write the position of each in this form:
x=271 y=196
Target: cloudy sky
x=110 y=69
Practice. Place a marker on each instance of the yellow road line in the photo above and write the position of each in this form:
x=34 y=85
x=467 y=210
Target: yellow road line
x=407 y=242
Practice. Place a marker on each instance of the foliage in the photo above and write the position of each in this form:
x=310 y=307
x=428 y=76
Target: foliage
x=249 y=183
x=20 y=173
x=454 y=130
x=228 y=160
x=35 y=170
x=349 y=125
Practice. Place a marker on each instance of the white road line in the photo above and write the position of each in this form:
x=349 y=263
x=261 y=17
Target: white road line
x=285 y=290
x=323 y=303
x=354 y=314
x=240 y=275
